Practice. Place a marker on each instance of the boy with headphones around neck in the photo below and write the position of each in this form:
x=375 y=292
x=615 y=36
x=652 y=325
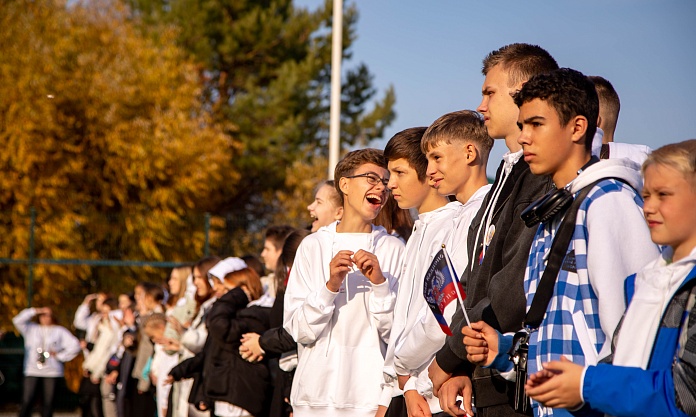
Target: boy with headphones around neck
x=609 y=239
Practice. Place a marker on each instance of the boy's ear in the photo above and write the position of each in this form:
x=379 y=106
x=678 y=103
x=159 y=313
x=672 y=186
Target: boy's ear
x=471 y=153
x=343 y=185
x=578 y=125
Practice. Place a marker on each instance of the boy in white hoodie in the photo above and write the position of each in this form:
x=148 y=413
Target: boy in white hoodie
x=457 y=147
x=558 y=114
x=340 y=297
x=409 y=187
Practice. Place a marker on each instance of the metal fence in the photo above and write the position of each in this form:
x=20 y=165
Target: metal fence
x=101 y=250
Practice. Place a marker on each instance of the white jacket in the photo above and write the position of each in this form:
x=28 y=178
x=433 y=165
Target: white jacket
x=106 y=344
x=342 y=336
x=54 y=338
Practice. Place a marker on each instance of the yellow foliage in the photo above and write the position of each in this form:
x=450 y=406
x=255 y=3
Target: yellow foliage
x=104 y=133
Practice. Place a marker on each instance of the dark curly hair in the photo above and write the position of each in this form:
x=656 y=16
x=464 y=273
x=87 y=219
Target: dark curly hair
x=569 y=92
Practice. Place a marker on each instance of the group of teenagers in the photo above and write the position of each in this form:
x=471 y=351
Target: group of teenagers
x=578 y=266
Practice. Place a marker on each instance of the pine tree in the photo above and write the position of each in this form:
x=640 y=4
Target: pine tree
x=267 y=70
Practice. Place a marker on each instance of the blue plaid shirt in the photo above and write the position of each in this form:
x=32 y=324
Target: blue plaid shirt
x=572 y=317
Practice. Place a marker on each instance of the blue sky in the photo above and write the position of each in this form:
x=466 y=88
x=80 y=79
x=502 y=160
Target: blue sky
x=431 y=52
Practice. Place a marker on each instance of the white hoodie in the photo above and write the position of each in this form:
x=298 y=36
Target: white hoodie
x=617 y=150
x=618 y=245
x=341 y=336
x=447 y=225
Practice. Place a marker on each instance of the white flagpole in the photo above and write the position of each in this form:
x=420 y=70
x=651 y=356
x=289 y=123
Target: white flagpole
x=335 y=109
x=456 y=285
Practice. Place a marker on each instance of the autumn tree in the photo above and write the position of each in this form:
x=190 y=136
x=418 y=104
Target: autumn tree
x=106 y=134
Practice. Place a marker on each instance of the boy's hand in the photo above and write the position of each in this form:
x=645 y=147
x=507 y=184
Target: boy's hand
x=369 y=266
x=339 y=267
x=558 y=386
x=539 y=378
x=481 y=341
x=457 y=385
x=437 y=376
x=416 y=405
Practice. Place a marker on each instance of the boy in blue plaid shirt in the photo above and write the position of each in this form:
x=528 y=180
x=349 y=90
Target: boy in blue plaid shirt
x=558 y=115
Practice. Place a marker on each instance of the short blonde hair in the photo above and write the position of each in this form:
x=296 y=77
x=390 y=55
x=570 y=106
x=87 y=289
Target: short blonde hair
x=680 y=156
x=463 y=126
x=155 y=320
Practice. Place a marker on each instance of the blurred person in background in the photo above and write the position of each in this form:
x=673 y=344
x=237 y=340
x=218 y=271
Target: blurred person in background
x=233 y=386
x=276 y=343
x=47 y=346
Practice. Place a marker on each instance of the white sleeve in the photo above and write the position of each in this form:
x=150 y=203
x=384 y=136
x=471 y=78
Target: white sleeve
x=22 y=321
x=309 y=305
x=420 y=344
x=386 y=394
x=618 y=245
x=382 y=302
x=383 y=297
x=81 y=320
x=193 y=339
x=412 y=383
x=69 y=345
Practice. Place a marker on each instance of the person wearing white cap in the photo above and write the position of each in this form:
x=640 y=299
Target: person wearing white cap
x=235 y=387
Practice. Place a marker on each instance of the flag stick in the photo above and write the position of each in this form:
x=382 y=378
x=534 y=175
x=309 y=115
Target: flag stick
x=456 y=285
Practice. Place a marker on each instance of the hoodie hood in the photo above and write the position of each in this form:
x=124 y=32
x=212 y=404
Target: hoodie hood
x=624 y=169
x=376 y=230
x=597 y=141
x=433 y=215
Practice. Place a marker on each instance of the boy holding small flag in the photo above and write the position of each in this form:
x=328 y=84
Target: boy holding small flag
x=457 y=146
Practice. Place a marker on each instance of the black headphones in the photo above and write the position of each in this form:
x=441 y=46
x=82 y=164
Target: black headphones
x=545 y=208
x=554 y=202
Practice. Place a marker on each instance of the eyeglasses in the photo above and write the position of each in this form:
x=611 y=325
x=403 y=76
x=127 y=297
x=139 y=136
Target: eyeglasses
x=372 y=178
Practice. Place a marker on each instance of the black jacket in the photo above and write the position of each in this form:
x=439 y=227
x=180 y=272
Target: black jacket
x=495 y=288
x=277 y=340
x=225 y=375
